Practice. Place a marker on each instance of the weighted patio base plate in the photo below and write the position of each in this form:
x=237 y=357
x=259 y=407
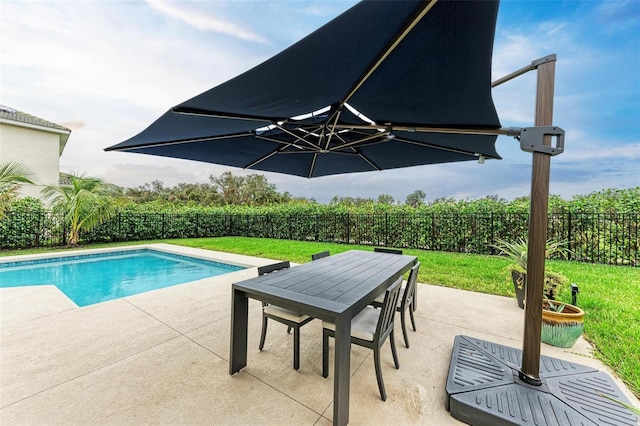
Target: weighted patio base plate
x=483 y=388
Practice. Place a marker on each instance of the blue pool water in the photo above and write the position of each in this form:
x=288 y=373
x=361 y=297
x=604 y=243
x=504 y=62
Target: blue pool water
x=94 y=278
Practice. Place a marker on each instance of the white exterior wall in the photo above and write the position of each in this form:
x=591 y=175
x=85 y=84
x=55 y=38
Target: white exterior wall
x=39 y=150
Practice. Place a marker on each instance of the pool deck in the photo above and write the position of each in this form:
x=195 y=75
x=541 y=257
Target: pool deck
x=161 y=357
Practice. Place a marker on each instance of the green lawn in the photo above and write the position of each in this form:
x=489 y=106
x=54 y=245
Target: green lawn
x=609 y=295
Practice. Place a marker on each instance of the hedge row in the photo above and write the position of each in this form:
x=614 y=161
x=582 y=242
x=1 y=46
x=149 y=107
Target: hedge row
x=592 y=237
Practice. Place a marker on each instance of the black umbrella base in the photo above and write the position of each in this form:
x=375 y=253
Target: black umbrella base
x=483 y=388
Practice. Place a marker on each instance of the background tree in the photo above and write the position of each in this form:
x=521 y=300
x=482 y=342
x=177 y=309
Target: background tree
x=386 y=199
x=82 y=204
x=199 y=194
x=416 y=198
x=608 y=201
x=252 y=190
x=12 y=176
x=350 y=201
x=229 y=187
x=256 y=191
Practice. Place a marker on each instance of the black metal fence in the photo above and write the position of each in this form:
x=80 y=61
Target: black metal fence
x=610 y=238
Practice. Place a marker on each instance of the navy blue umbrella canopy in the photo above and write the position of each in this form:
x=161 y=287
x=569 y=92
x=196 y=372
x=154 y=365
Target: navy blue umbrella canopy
x=370 y=90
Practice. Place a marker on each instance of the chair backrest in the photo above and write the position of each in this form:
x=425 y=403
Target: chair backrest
x=319 y=255
x=386 y=250
x=410 y=288
x=388 y=310
x=273 y=267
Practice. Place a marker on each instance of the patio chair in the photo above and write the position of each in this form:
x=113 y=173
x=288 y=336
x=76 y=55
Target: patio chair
x=319 y=255
x=386 y=250
x=293 y=320
x=396 y=251
x=370 y=329
x=405 y=301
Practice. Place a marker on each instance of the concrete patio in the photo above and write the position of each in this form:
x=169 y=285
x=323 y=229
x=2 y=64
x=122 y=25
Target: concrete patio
x=162 y=358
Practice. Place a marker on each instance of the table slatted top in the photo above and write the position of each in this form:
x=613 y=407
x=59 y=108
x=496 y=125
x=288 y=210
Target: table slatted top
x=334 y=284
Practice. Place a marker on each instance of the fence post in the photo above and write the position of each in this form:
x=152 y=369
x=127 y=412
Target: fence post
x=348 y=229
x=386 y=229
x=433 y=237
x=493 y=236
x=569 y=236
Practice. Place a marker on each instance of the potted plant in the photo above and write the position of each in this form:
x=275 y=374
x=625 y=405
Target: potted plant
x=517 y=253
x=562 y=323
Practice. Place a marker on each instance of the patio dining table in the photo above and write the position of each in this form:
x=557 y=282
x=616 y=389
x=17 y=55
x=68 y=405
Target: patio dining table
x=335 y=288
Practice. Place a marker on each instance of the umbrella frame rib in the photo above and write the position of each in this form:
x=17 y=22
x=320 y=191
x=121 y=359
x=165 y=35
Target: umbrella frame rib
x=424 y=8
x=383 y=131
x=297 y=137
x=505 y=131
x=183 y=141
x=333 y=127
x=438 y=147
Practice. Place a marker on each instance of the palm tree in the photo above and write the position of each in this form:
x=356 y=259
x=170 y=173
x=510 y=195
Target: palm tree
x=12 y=175
x=82 y=204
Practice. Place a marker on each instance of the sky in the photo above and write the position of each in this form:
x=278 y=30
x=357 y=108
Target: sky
x=108 y=69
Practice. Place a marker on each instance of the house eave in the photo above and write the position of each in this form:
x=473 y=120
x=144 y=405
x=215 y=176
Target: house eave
x=63 y=133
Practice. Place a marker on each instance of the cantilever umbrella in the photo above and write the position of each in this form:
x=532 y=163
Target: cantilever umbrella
x=387 y=84
x=357 y=95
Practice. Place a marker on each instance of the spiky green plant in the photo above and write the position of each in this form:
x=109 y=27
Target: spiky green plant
x=554 y=306
x=517 y=252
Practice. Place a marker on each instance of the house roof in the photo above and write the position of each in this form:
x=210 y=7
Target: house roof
x=12 y=116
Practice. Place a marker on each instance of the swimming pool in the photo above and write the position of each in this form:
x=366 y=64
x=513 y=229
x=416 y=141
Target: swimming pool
x=93 y=278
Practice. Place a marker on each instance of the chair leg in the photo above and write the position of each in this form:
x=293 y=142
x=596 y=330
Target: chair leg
x=296 y=348
x=325 y=353
x=404 y=327
x=376 y=359
x=392 y=340
x=413 y=321
x=264 y=332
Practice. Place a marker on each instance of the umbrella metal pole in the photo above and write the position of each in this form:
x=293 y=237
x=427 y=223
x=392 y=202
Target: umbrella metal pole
x=538 y=216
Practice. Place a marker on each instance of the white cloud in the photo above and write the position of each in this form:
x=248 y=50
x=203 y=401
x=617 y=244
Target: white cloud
x=200 y=19
x=583 y=147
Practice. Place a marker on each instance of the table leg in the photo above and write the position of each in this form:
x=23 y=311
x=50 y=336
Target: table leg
x=239 y=326
x=342 y=371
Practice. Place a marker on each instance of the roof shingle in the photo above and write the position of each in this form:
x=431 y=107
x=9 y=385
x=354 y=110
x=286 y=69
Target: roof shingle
x=9 y=113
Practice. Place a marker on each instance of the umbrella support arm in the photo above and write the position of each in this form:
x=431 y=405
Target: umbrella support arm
x=534 y=65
